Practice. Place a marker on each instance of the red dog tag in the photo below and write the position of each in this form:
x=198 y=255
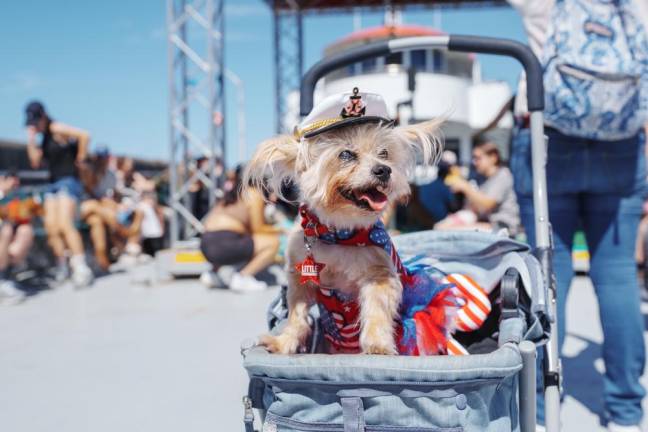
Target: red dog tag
x=310 y=270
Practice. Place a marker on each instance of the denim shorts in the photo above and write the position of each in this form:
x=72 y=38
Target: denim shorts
x=68 y=186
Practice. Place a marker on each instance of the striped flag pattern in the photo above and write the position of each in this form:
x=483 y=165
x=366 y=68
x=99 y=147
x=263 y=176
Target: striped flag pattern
x=473 y=309
x=476 y=305
x=340 y=319
x=455 y=348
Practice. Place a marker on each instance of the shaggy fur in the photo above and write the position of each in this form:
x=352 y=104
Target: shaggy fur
x=331 y=184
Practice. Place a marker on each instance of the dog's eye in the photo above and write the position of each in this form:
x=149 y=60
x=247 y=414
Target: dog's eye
x=347 y=156
x=383 y=154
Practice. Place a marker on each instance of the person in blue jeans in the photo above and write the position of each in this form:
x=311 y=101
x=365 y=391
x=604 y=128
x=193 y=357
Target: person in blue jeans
x=599 y=186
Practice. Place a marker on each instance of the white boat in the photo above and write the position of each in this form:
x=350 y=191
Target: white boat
x=448 y=84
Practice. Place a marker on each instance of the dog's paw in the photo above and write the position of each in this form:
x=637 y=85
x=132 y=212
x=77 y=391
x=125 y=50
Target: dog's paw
x=282 y=344
x=378 y=339
x=375 y=345
x=379 y=349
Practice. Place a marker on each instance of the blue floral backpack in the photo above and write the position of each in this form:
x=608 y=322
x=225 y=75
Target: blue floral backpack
x=595 y=57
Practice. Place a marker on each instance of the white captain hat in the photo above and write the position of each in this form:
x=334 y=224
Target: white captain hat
x=344 y=109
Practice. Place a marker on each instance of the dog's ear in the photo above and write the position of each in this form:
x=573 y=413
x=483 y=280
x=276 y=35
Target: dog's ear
x=272 y=164
x=424 y=139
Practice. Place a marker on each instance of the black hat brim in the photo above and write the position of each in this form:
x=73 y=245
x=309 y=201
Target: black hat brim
x=350 y=121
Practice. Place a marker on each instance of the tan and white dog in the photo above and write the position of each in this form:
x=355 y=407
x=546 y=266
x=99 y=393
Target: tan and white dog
x=350 y=164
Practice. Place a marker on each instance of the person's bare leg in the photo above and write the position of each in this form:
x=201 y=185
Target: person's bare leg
x=107 y=213
x=81 y=273
x=52 y=229
x=89 y=212
x=103 y=209
x=265 y=251
x=8 y=292
x=21 y=244
x=66 y=217
x=98 y=237
x=6 y=232
x=135 y=227
x=87 y=208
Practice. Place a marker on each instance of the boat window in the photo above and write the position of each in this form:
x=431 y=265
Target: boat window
x=437 y=61
x=369 y=65
x=395 y=58
x=418 y=59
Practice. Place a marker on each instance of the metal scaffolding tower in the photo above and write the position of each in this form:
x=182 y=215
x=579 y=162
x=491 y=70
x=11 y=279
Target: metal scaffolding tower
x=288 y=58
x=195 y=30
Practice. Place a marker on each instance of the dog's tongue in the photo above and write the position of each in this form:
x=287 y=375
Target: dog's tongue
x=376 y=199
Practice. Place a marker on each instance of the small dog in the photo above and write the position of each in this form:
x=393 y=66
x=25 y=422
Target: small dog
x=350 y=165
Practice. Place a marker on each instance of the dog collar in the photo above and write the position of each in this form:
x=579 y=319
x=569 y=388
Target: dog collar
x=315 y=231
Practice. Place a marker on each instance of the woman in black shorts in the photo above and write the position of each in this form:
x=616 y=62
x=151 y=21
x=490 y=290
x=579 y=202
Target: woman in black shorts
x=236 y=233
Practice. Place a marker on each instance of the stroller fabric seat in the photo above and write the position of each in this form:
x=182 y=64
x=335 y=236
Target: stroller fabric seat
x=353 y=393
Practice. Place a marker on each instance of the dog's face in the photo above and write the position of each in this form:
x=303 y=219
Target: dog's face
x=352 y=174
x=348 y=176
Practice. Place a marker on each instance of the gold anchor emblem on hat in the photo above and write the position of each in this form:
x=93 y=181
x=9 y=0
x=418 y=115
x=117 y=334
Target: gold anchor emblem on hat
x=355 y=106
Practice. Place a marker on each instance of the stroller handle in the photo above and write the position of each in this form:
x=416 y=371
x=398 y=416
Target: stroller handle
x=478 y=44
x=485 y=45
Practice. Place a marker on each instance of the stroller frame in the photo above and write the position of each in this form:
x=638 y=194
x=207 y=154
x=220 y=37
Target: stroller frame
x=543 y=250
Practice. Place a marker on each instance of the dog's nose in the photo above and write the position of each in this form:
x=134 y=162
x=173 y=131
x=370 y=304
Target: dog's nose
x=382 y=172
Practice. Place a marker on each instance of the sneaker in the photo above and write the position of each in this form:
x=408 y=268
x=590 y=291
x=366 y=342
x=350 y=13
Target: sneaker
x=613 y=427
x=242 y=284
x=279 y=274
x=9 y=294
x=211 y=279
x=82 y=276
x=133 y=249
x=127 y=261
x=61 y=273
x=225 y=273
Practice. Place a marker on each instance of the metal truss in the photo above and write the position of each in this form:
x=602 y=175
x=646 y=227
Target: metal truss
x=195 y=30
x=288 y=58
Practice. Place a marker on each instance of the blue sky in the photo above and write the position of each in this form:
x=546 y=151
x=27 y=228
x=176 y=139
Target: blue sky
x=102 y=65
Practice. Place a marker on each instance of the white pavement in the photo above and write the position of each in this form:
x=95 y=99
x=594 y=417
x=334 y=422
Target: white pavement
x=124 y=357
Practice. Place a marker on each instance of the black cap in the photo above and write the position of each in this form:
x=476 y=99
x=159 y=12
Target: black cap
x=102 y=151
x=34 y=111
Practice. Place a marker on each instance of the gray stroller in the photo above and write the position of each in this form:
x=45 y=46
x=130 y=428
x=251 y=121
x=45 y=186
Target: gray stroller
x=493 y=388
